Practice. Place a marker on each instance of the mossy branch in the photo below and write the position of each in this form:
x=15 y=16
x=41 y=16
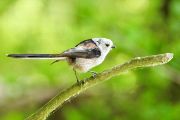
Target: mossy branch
x=74 y=90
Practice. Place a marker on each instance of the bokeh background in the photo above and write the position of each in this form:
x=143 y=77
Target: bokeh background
x=137 y=28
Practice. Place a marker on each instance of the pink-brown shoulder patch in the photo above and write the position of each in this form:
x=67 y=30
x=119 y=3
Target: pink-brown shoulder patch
x=90 y=45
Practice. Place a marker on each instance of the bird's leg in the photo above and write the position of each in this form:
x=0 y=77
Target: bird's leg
x=55 y=62
x=93 y=73
x=76 y=76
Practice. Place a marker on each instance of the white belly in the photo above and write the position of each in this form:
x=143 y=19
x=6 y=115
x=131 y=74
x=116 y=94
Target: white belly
x=85 y=65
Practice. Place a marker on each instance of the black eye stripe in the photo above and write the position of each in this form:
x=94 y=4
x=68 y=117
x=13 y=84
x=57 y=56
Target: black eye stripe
x=107 y=45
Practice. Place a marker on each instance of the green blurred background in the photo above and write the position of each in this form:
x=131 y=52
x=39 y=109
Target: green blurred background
x=137 y=28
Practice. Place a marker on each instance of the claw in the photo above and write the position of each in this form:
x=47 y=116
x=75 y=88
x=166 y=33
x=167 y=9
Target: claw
x=93 y=73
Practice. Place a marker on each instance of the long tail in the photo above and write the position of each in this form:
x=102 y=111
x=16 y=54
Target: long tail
x=36 y=56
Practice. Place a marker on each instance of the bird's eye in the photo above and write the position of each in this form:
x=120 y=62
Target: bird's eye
x=107 y=45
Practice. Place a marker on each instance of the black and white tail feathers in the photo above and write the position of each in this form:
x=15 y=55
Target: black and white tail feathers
x=36 y=56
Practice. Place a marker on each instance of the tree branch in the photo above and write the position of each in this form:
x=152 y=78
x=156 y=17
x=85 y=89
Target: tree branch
x=76 y=89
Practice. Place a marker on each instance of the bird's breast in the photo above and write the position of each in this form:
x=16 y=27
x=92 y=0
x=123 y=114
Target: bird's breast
x=84 y=65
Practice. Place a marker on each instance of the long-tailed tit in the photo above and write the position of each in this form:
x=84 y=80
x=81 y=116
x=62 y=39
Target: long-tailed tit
x=84 y=56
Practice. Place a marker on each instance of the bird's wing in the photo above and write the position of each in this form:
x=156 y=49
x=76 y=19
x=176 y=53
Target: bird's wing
x=85 y=49
x=81 y=53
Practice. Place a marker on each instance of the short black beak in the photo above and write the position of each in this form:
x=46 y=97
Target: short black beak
x=113 y=46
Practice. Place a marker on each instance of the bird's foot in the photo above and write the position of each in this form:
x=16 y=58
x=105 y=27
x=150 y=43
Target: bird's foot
x=80 y=83
x=93 y=73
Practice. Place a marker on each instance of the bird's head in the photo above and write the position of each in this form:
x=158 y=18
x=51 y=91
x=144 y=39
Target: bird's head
x=104 y=44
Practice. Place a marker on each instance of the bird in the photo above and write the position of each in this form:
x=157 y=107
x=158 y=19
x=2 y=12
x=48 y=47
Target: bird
x=83 y=57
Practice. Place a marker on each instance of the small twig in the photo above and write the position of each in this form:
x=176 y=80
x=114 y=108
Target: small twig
x=74 y=90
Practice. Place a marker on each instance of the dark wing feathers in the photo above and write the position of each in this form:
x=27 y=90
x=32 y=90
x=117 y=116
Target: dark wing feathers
x=85 y=49
x=86 y=53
